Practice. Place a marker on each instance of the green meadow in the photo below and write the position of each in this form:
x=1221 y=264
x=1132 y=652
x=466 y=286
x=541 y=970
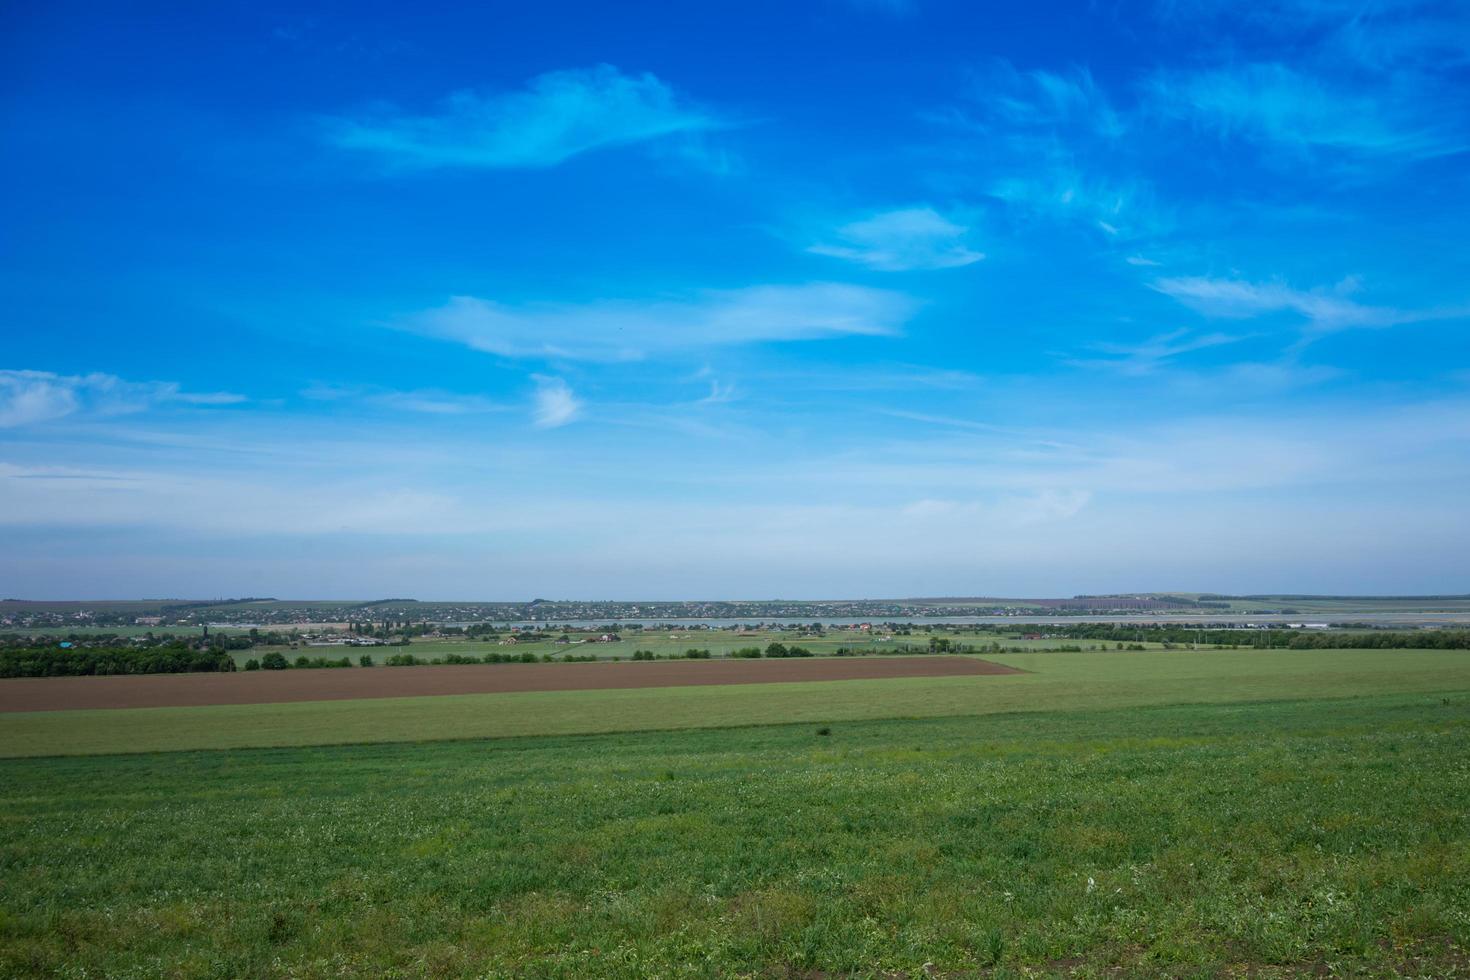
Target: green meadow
x=1306 y=837
x=1302 y=813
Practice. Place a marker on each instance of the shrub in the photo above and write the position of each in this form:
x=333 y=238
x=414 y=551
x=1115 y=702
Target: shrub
x=252 y=664
x=693 y=654
x=777 y=650
x=273 y=661
x=747 y=653
x=365 y=660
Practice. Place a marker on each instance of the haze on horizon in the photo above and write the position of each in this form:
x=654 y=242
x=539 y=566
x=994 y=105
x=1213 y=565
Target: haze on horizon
x=880 y=298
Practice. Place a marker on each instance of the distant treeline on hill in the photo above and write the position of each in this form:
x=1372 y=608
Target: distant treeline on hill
x=1272 y=638
x=56 y=662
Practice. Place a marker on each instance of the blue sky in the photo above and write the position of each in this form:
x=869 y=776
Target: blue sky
x=815 y=299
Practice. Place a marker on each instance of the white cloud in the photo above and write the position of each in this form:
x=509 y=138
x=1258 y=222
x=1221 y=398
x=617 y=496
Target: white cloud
x=624 y=331
x=1055 y=187
x=1044 y=99
x=1325 y=309
x=1153 y=353
x=991 y=508
x=554 y=404
x=1043 y=506
x=29 y=397
x=557 y=116
x=422 y=401
x=1272 y=103
x=719 y=393
x=910 y=238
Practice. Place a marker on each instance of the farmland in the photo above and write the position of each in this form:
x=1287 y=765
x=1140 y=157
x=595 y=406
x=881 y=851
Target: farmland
x=1269 y=813
x=267 y=687
x=1053 y=681
x=1171 y=839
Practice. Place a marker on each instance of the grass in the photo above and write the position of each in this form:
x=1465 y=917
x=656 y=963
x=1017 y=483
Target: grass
x=1058 y=681
x=1276 y=838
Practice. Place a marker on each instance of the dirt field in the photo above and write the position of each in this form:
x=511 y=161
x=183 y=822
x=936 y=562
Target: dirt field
x=266 y=686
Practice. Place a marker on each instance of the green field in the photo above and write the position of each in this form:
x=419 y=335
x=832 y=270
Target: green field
x=1057 y=681
x=1276 y=839
x=1108 y=814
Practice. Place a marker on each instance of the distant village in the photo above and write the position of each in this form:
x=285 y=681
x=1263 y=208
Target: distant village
x=303 y=616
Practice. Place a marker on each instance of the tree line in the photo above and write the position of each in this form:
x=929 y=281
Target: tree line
x=175 y=658
x=1271 y=638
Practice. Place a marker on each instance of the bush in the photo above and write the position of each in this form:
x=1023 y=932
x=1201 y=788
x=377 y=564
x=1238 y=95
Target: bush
x=777 y=650
x=365 y=660
x=747 y=653
x=693 y=654
x=273 y=661
x=252 y=664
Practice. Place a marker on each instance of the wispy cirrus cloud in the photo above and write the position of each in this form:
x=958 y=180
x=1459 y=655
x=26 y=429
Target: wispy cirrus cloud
x=1325 y=310
x=28 y=397
x=1279 y=105
x=554 y=404
x=1047 y=99
x=902 y=240
x=1375 y=35
x=423 y=401
x=1153 y=353
x=628 y=330
x=557 y=116
x=1060 y=189
x=1050 y=145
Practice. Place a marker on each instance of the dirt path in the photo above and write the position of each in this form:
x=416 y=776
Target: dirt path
x=267 y=686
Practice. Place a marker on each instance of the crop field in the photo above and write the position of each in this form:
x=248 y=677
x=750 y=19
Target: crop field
x=1101 y=814
x=1050 y=682
x=1309 y=837
x=270 y=686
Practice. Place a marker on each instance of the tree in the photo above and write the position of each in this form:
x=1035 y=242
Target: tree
x=252 y=664
x=273 y=661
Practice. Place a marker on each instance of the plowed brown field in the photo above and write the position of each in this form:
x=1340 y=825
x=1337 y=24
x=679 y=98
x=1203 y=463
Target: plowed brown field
x=337 y=684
